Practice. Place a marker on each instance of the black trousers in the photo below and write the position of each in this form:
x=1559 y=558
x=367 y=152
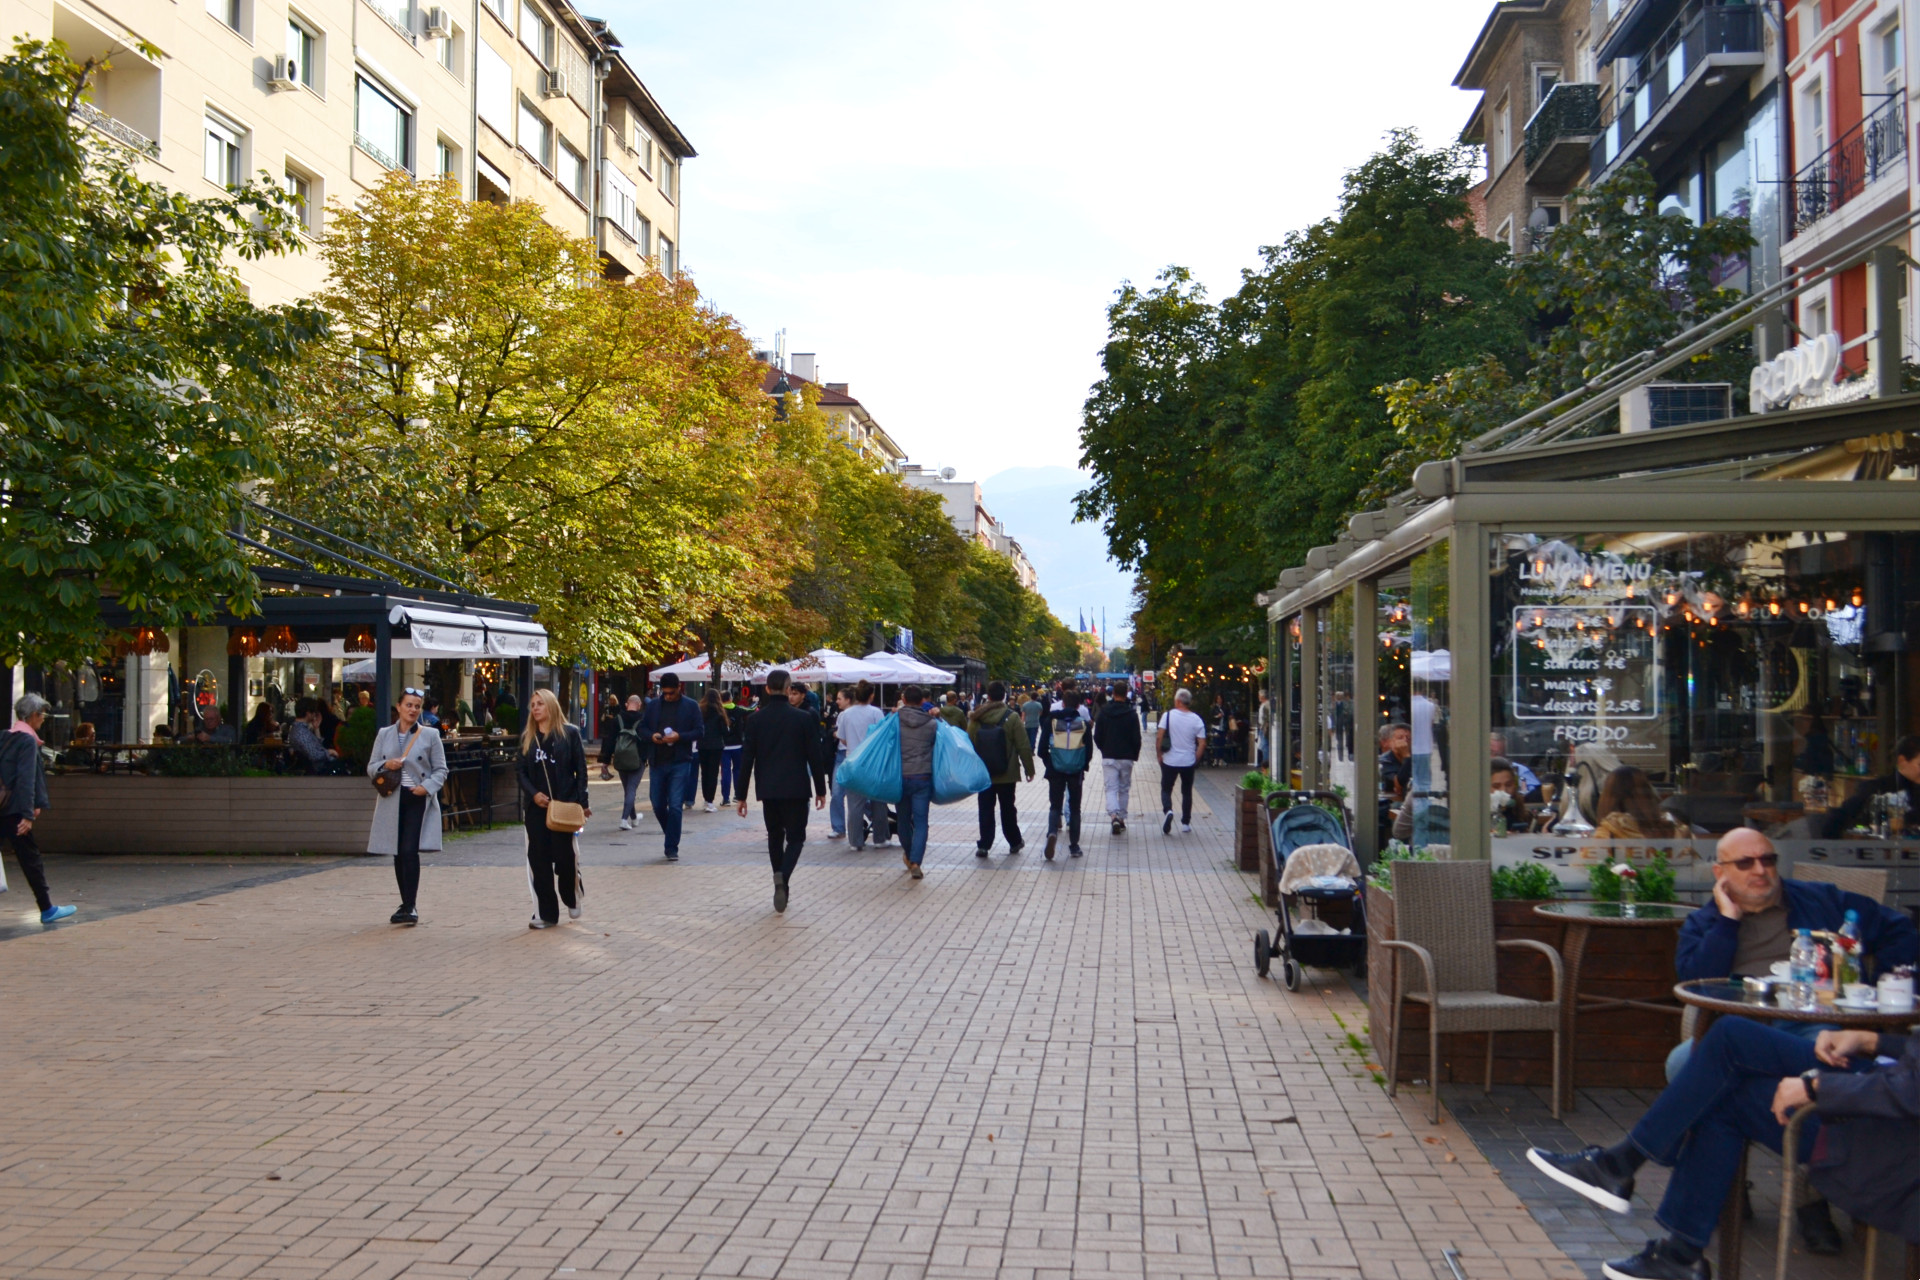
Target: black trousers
x=551 y=861
x=1065 y=784
x=786 y=832
x=406 y=861
x=1001 y=794
x=31 y=866
x=1184 y=772
x=710 y=774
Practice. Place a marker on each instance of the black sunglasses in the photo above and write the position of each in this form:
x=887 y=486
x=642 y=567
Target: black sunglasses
x=1767 y=860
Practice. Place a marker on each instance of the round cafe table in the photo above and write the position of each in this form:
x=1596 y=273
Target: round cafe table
x=1581 y=919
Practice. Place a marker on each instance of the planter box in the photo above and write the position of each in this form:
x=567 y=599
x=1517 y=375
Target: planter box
x=1627 y=963
x=118 y=814
x=1249 y=828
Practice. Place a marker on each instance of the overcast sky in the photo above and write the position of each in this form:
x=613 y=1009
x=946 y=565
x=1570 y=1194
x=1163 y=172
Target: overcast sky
x=939 y=200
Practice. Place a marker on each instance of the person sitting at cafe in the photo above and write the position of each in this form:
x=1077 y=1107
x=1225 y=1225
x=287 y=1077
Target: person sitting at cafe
x=1529 y=780
x=1743 y=1085
x=304 y=740
x=1505 y=777
x=213 y=733
x=262 y=726
x=1628 y=809
x=1905 y=777
x=1396 y=772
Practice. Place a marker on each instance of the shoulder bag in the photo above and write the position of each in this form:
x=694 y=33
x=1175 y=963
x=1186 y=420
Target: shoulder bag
x=387 y=781
x=562 y=815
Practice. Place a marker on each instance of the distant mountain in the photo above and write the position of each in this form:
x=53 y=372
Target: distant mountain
x=1036 y=505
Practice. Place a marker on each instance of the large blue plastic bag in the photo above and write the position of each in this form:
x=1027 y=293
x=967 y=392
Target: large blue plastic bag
x=958 y=770
x=873 y=769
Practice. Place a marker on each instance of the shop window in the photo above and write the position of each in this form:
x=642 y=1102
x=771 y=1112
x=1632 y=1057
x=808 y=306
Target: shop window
x=1429 y=672
x=1339 y=734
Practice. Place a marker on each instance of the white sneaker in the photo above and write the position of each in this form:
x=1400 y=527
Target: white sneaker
x=709 y=806
x=626 y=824
x=1185 y=829
x=573 y=913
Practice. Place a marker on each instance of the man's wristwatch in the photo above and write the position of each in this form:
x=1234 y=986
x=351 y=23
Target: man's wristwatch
x=1811 y=1078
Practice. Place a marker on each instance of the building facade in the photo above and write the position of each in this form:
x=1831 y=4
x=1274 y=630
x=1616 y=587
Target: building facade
x=845 y=415
x=514 y=99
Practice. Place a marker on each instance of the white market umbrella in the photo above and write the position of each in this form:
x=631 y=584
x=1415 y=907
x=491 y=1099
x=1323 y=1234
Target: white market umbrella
x=837 y=668
x=910 y=669
x=700 y=667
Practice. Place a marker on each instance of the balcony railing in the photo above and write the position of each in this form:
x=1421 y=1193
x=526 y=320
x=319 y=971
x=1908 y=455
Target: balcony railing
x=1569 y=111
x=1698 y=32
x=375 y=150
x=1862 y=156
x=119 y=131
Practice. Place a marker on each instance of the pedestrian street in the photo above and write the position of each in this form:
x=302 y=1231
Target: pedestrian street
x=1013 y=1068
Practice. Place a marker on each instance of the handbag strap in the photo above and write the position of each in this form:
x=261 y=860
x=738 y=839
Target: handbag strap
x=408 y=749
x=544 y=756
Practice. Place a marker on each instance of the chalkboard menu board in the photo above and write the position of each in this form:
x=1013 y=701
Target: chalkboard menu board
x=1591 y=665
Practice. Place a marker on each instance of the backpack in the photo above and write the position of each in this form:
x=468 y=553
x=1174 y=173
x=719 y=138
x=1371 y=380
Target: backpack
x=1067 y=745
x=626 y=751
x=992 y=747
x=822 y=746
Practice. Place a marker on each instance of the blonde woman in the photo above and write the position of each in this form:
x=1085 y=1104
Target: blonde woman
x=408 y=821
x=553 y=766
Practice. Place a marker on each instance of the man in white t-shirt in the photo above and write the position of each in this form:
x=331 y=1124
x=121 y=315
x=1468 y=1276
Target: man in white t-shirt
x=1181 y=742
x=864 y=816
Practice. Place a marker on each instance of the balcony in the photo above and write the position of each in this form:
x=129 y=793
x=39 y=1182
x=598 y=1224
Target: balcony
x=1702 y=59
x=1560 y=135
x=1864 y=154
x=121 y=132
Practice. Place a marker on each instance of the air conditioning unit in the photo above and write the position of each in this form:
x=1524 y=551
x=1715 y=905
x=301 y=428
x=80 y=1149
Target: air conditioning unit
x=556 y=84
x=1675 y=404
x=439 y=24
x=286 y=73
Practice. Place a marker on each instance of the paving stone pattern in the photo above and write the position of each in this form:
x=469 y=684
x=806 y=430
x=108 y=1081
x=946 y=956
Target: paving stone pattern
x=1012 y=1068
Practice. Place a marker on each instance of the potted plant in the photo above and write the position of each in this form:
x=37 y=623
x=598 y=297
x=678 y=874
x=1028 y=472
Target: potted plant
x=1250 y=819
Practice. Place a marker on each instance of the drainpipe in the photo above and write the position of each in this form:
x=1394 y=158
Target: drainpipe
x=470 y=180
x=597 y=149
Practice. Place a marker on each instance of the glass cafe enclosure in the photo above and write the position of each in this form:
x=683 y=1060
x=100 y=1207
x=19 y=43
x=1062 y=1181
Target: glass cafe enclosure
x=1670 y=634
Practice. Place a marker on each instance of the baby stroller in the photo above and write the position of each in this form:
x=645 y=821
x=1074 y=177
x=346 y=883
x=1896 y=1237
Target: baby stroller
x=1322 y=913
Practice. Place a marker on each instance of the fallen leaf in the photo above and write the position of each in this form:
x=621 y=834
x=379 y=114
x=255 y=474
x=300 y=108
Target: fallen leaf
x=273 y=1177
x=1452 y=1158
x=1430 y=1141
x=619 y=1133
x=1373 y=1066
x=989 y=1137
x=1387 y=1134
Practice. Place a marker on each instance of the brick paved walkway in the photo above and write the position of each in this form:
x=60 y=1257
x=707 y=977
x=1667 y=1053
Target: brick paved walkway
x=1012 y=1068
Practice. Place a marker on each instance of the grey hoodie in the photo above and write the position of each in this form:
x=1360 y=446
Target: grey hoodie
x=916 y=742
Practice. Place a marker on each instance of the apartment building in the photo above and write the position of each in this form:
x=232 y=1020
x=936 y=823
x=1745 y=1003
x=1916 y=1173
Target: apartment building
x=845 y=415
x=1848 y=156
x=1537 y=117
x=329 y=96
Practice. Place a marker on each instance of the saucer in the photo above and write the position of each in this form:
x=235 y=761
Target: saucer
x=1858 y=1006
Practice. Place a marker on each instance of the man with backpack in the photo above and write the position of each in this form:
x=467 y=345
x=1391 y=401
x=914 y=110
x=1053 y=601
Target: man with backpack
x=1117 y=733
x=620 y=749
x=1000 y=740
x=23 y=797
x=1066 y=746
x=783 y=742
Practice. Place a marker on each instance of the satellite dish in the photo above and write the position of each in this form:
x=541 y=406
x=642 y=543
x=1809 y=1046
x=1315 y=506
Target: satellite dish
x=1541 y=219
x=948 y=473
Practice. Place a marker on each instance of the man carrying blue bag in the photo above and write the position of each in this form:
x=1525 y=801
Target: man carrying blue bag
x=915 y=761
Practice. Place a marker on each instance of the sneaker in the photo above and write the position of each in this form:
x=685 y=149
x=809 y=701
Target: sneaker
x=1166 y=827
x=1118 y=826
x=1073 y=851
x=915 y=871
x=882 y=842
x=709 y=806
x=538 y=923
x=1817 y=1231
x=980 y=851
x=1658 y=1261
x=673 y=857
x=1053 y=840
x=52 y=914
x=1123 y=825
x=405 y=915
x=1581 y=1172
x=1186 y=828
x=779 y=892
x=626 y=824
x=906 y=859
x=1016 y=848
x=574 y=911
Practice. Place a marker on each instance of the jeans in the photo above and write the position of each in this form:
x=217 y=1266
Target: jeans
x=1701 y=1123
x=709 y=774
x=1000 y=794
x=31 y=866
x=786 y=833
x=916 y=793
x=837 y=806
x=630 y=789
x=669 y=784
x=1119 y=776
x=1064 y=786
x=406 y=859
x=551 y=859
x=1184 y=772
x=1808 y=1031
x=729 y=770
x=866 y=816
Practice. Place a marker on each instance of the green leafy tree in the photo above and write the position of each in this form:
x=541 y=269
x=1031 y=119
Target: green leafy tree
x=137 y=381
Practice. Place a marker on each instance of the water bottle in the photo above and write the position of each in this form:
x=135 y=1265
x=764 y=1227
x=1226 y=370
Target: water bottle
x=1800 y=968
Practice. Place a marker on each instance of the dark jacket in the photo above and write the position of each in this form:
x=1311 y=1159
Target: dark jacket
x=25 y=775
x=683 y=717
x=1864 y=1159
x=998 y=717
x=954 y=715
x=1859 y=805
x=917 y=732
x=1709 y=939
x=737 y=717
x=558 y=761
x=778 y=743
x=1117 y=732
x=610 y=731
x=713 y=730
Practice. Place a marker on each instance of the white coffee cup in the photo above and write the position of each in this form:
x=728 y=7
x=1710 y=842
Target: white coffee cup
x=1896 y=994
x=1860 y=993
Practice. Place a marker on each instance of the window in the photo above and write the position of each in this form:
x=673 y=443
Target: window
x=501 y=9
x=228 y=11
x=300 y=52
x=1505 y=234
x=380 y=125
x=571 y=172
x=495 y=91
x=446 y=160
x=304 y=188
x=453 y=51
x=1887 y=40
x=642 y=143
x=669 y=177
x=1545 y=76
x=536 y=33
x=1502 y=149
x=1816 y=322
x=536 y=135
x=643 y=235
x=620 y=194
x=667 y=264
x=398 y=13
x=1813 y=116
x=223 y=162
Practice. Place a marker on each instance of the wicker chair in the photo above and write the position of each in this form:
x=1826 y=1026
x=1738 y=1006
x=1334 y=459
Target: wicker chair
x=1868 y=882
x=1443 y=917
x=1790 y=1177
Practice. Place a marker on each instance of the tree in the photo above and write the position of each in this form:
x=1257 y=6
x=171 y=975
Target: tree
x=137 y=382
x=492 y=408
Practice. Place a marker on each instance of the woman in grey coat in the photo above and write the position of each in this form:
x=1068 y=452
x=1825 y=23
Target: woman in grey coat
x=408 y=821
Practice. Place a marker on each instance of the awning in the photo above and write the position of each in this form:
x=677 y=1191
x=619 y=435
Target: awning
x=447 y=633
x=516 y=638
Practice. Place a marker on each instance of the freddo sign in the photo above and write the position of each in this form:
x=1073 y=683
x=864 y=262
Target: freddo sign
x=1806 y=370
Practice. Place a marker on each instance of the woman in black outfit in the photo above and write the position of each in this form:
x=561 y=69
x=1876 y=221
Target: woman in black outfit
x=553 y=766
x=713 y=742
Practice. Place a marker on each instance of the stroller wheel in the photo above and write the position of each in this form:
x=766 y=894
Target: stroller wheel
x=1262 y=953
x=1290 y=973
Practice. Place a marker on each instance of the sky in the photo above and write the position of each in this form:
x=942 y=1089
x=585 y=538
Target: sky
x=939 y=200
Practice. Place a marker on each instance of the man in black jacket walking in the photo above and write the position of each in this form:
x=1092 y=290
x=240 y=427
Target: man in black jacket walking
x=1117 y=733
x=782 y=743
